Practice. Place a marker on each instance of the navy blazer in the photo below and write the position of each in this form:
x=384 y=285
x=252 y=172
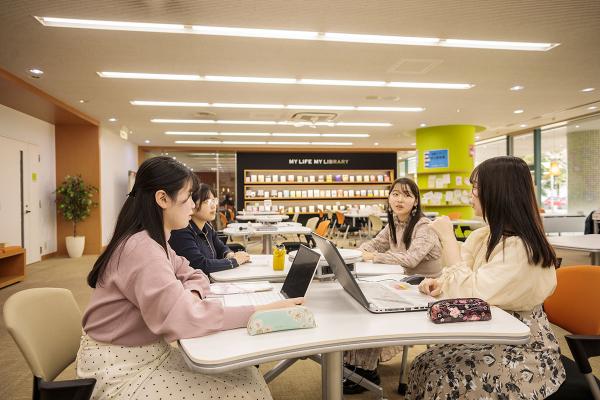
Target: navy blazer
x=202 y=248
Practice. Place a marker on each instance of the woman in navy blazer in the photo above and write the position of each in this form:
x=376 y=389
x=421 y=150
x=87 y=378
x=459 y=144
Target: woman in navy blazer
x=199 y=242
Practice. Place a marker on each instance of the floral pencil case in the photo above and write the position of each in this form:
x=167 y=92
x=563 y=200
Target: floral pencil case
x=281 y=319
x=459 y=310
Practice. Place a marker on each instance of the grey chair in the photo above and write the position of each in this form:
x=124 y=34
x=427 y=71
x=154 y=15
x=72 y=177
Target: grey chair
x=45 y=323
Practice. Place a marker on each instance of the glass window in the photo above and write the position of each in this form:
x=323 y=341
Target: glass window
x=523 y=147
x=554 y=188
x=487 y=149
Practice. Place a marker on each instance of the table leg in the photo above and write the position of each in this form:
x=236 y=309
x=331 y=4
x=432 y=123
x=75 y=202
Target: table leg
x=267 y=244
x=595 y=255
x=331 y=376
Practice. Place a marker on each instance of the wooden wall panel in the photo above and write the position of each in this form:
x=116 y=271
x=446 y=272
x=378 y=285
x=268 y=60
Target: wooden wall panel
x=78 y=153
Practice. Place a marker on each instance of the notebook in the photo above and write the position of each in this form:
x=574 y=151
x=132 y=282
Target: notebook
x=296 y=282
x=374 y=296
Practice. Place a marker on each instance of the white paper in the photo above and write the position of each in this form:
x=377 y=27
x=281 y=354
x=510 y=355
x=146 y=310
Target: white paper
x=240 y=287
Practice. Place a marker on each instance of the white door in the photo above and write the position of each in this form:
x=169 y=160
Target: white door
x=32 y=203
x=20 y=201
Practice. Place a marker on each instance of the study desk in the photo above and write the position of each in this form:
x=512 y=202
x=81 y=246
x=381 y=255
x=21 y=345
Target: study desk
x=342 y=324
x=587 y=243
x=262 y=218
x=285 y=228
x=261 y=269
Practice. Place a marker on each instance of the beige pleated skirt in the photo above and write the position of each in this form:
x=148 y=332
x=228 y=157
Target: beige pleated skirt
x=158 y=371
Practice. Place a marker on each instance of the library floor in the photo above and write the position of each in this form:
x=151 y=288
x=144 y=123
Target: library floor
x=302 y=381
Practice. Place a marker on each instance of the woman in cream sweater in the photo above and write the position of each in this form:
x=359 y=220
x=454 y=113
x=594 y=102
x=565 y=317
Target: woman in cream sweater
x=509 y=264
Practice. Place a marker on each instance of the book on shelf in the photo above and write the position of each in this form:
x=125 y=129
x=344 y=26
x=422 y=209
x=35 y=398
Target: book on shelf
x=329 y=178
x=359 y=178
x=268 y=179
x=345 y=178
x=283 y=178
x=352 y=178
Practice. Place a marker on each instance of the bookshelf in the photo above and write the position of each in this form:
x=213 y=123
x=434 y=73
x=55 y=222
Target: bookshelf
x=306 y=191
x=12 y=265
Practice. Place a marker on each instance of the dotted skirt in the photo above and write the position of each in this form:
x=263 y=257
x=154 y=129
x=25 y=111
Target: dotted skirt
x=158 y=371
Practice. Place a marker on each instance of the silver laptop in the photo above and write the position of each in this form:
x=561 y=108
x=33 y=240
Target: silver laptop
x=375 y=297
x=296 y=282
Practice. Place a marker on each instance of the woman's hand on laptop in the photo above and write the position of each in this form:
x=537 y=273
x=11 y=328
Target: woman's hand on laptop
x=431 y=287
x=297 y=301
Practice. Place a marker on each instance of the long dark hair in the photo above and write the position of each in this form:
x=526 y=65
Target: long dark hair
x=407 y=186
x=505 y=191
x=140 y=211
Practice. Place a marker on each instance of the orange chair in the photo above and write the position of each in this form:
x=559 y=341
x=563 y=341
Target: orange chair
x=322 y=228
x=231 y=215
x=575 y=306
x=453 y=215
x=223 y=219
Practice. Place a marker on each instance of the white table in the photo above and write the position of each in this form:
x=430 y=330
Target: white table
x=260 y=268
x=262 y=218
x=342 y=324
x=244 y=212
x=285 y=228
x=588 y=243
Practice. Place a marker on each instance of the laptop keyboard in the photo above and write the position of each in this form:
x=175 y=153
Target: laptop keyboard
x=254 y=299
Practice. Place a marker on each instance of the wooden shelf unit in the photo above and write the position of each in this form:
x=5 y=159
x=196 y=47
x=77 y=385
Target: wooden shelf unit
x=378 y=180
x=12 y=265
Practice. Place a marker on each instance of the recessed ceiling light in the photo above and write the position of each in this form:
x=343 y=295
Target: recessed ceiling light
x=413 y=144
x=285 y=81
x=519 y=111
x=113 y=119
x=423 y=125
x=289 y=34
x=523 y=125
x=516 y=88
x=286 y=123
x=272 y=106
x=174 y=158
x=83 y=101
x=376 y=143
x=35 y=73
x=592 y=108
x=576 y=126
x=458 y=110
x=146 y=141
x=590 y=89
x=476 y=137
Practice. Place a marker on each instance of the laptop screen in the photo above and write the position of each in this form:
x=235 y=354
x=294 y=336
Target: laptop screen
x=301 y=273
x=341 y=271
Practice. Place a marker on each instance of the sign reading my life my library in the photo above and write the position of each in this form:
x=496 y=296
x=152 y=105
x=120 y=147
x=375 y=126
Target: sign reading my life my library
x=436 y=158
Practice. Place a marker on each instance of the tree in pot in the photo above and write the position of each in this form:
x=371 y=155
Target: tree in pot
x=74 y=199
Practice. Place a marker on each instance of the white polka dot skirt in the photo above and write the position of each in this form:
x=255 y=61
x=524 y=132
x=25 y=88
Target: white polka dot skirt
x=158 y=372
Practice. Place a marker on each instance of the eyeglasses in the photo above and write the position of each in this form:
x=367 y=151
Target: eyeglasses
x=211 y=202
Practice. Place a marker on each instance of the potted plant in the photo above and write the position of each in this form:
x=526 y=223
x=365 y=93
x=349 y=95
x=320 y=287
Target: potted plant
x=74 y=199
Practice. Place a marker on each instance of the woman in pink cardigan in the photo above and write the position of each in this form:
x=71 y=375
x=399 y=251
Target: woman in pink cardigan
x=146 y=296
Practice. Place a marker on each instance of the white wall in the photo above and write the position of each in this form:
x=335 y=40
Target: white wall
x=117 y=157
x=22 y=127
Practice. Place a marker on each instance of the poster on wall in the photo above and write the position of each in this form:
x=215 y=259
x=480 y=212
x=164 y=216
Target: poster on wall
x=436 y=158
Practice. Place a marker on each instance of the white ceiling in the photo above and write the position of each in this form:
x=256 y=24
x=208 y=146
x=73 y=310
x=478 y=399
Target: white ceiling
x=553 y=79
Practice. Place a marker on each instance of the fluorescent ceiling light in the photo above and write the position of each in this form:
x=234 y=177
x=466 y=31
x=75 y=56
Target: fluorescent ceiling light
x=287 y=81
x=592 y=107
x=516 y=88
x=291 y=34
x=139 y=75
x=590 y=89
x=230 y=142
x=519 y=111
x=275 y=134
x=272 y=106
x=286 y=123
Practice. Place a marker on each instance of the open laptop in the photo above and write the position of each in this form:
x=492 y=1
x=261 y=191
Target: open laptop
x=296 y=282
x=374 y=296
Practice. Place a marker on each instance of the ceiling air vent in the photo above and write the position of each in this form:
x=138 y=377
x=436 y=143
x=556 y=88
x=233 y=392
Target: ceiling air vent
x=311 y=119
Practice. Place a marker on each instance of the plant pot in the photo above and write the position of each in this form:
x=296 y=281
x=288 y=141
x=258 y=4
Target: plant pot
x=75 y=245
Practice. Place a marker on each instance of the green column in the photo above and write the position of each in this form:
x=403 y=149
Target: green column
x=443 y=180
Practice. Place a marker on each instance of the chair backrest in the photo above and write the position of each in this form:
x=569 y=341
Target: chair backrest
x=340 y=217
x=223 y=219
x=322 y=228
x=231 y=214
x=575 y=303
x=312 y=223
x=453 y=215
x=295 y=217
x=321 y=214
x=45 y=323
x=376 y=223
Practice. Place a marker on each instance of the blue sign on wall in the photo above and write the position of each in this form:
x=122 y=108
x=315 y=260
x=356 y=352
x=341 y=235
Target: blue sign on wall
x=436 y=159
